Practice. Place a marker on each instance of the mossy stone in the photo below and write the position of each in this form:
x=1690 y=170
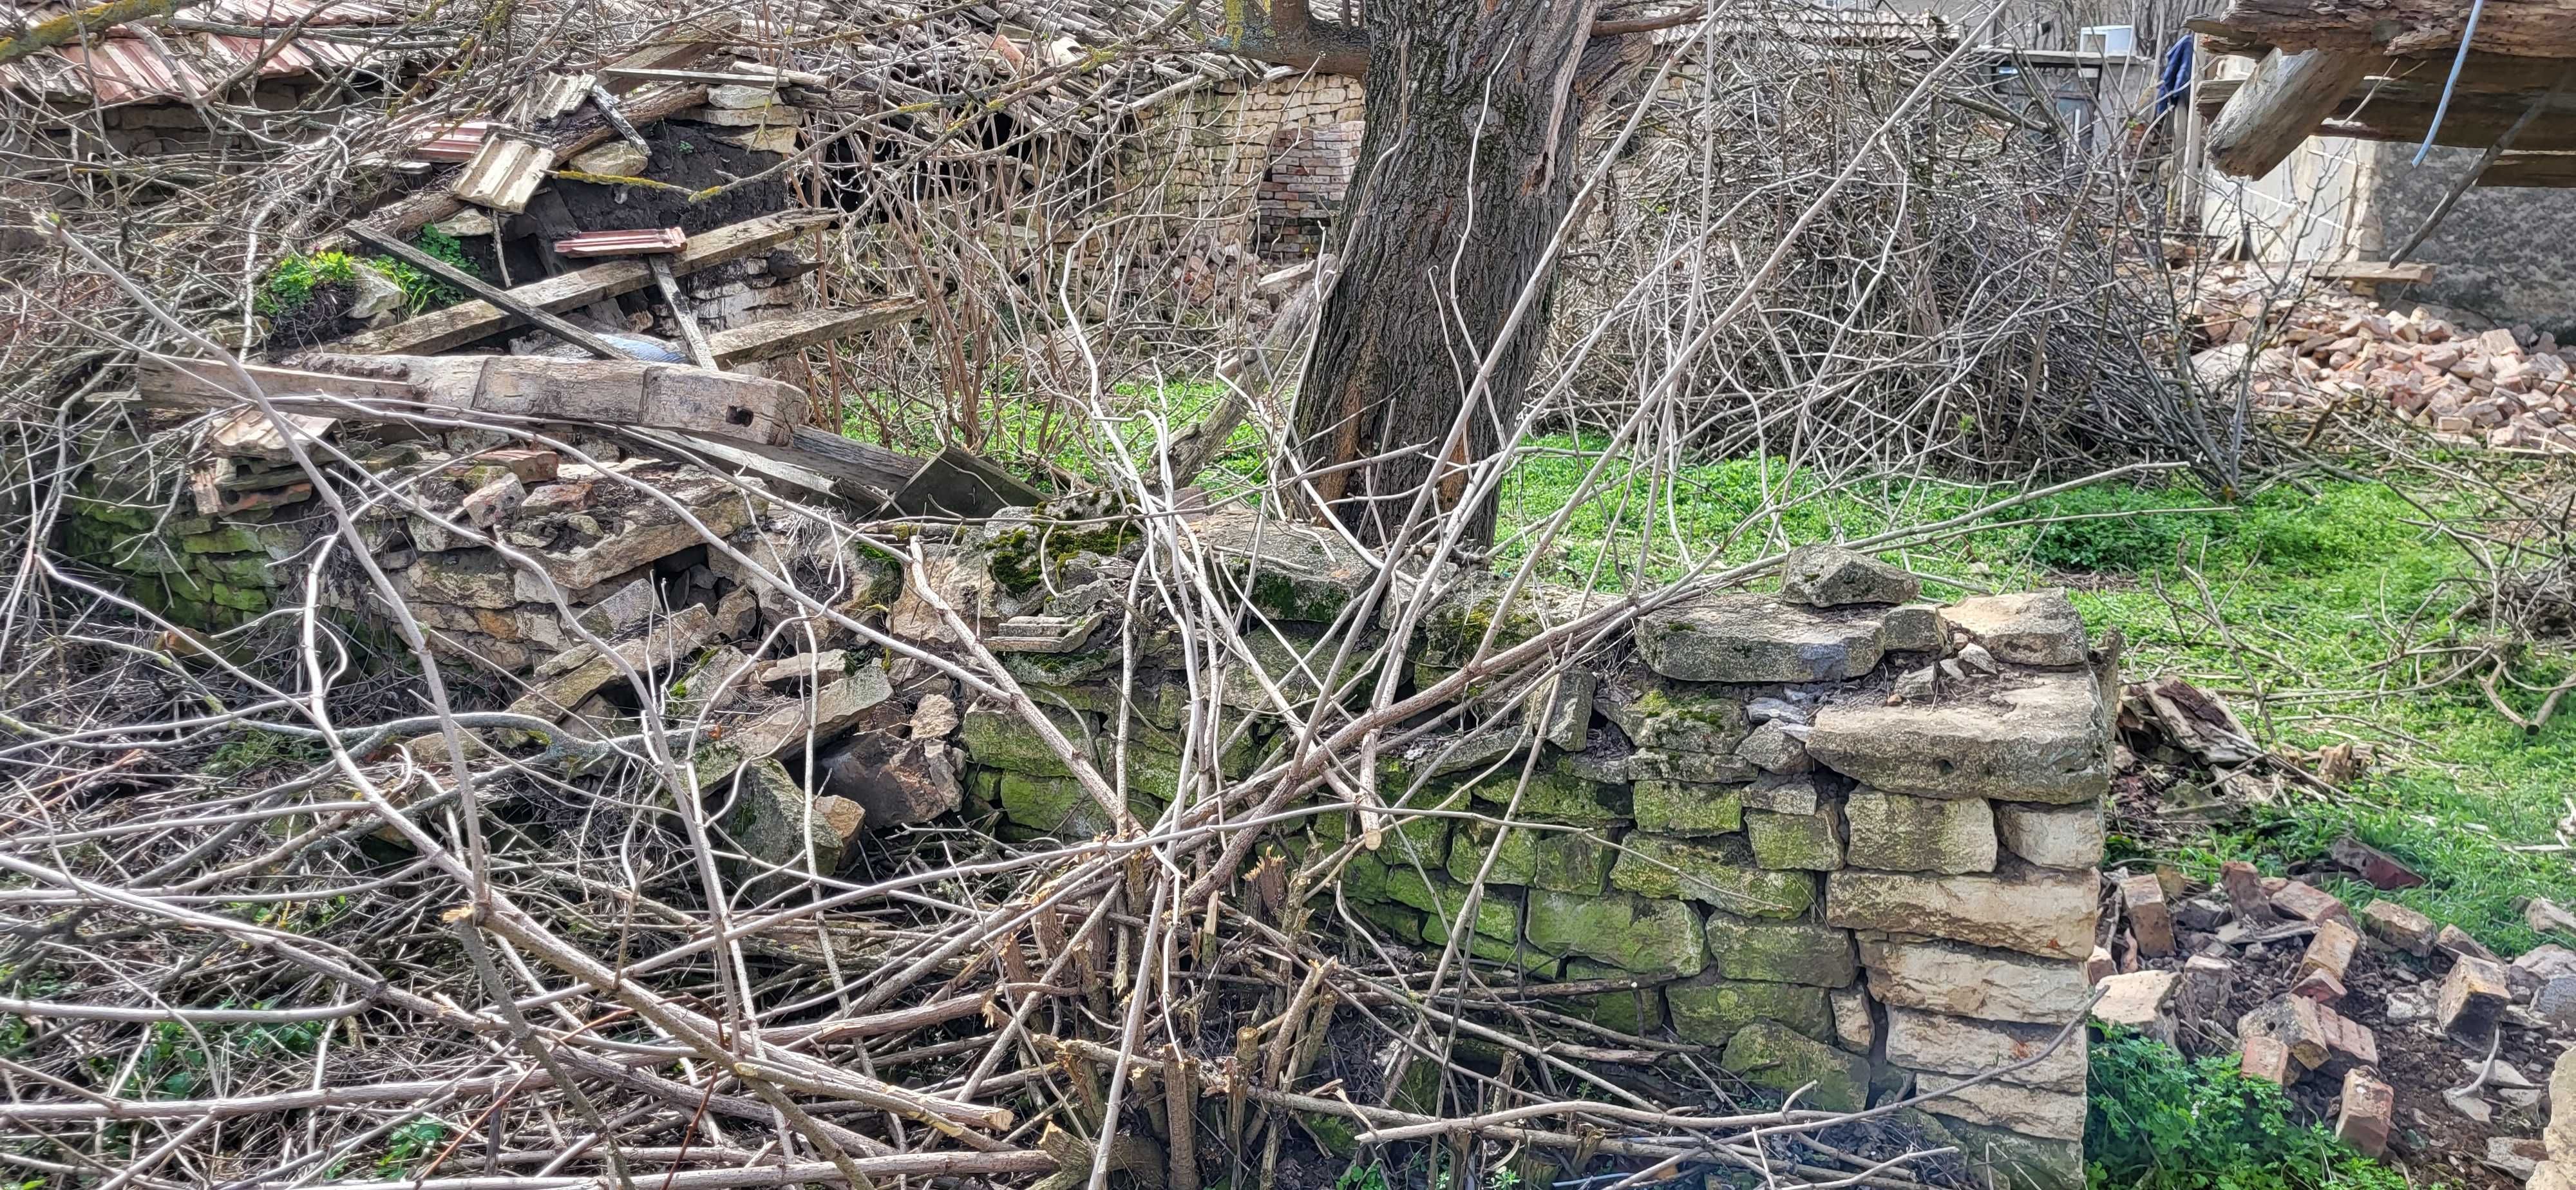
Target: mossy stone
x=1555 y=795
x=1779 y=952
x=1637 y=1012
x=1772 y=1055
x=1559 y=861
x=996 y=737
x=230 y=539
x=1720 y=872
x=1709 y=1010
x=1688 y=809
x=1806 y=842
x=1635 y=934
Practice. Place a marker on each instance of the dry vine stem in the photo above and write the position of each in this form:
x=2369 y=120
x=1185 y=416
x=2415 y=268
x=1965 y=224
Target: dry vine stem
x=276 y=916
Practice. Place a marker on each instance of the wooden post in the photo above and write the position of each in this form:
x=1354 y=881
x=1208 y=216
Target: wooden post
x=2279 y=107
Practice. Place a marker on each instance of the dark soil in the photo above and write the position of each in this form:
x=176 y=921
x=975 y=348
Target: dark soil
x=321 y=319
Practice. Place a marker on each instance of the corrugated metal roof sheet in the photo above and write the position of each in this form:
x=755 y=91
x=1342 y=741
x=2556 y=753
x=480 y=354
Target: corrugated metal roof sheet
x=118 y=68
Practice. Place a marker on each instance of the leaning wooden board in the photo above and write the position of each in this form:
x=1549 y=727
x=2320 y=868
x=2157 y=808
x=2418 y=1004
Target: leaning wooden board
x=465 y=322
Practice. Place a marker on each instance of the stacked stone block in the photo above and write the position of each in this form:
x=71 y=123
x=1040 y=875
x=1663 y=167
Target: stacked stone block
x=1822 y=881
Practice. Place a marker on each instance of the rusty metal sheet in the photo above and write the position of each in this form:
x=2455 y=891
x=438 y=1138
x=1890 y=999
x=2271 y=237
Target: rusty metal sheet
x=455 y=143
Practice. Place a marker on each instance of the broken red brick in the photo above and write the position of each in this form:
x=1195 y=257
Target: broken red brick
x=2347 y=1038
x=2378 y=867
x=2331 y=949
x=2319 y=986
x=2149 y=918
x=2399 y=926
x=2099 y=967
x=2294 y=1022
x=2244 y=887
x=2474 y=994
x=2307 y=902
x=2369 y=1107
x=2267 y=1059
x=2458 y=942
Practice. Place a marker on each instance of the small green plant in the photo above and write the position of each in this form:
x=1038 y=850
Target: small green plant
x=410 y=1145
x=2116 y=533
x=1371 y=1176
x=291 y=283
x=2161 y=1121
x=255 y=749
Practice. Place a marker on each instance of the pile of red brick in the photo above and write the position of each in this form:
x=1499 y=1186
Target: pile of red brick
x=2506 y=388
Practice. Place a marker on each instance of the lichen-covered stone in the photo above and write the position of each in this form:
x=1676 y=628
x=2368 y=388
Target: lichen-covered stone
x=1897 y=833
x=1933 y=1041
x=1559 y=861
x=2042 y=911
x=1994 y=985
x=1688 y=809
x=1709 y=1010
x=1778 y=952
x=1810 y=842
x=1482 y=945
x=1769 y=1054
x=1784 y=793
x=1697 y=768
x=2053 y=836
x=1718 y=872
x=1756 y=638
x=1775 y=747
x=2015 y=1161
x=1634 y=934
x=2025 y=628
x=1824 y=575
x=2030 y=1111
x=1913 y=628
x=1666 y=716
x=1560 y=707
x=774 y=822
x=997 y=737
x=1636 y=1011
x=2040 y=738
x=1555 y=795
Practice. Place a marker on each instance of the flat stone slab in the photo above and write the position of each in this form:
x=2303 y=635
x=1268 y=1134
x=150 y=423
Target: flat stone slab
x=2043 y=738
x=2042 y=911
x=2024 y=628
x=1991 y=985
x=1757 y=638
x=1958 y=1045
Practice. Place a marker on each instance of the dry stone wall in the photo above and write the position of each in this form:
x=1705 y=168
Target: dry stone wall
x=1838 y=836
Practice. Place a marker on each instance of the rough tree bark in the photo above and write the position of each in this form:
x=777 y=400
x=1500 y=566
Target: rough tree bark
x=1470 y=162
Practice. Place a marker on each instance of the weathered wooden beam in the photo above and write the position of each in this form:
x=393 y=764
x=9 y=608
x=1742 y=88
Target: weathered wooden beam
x=2523 y=28
x=2374 y=272
x=2556 y=170
x=961 y=483
x=624 y=392
x=681 y=312
x=2277 y=108
x=466 y=322
x=790 y=333
x=2474 y=122
x=491 y=294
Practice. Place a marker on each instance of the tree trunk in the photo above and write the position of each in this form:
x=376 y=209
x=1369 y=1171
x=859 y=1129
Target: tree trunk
x=1470 y=162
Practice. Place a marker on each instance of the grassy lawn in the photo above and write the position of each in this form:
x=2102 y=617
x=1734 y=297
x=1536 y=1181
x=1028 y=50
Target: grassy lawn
x=2318 y=584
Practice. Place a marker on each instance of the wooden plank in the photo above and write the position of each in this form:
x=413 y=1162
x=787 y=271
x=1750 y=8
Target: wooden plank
x=2279 y=107
x=621 y=392
x=960 y=483
x=677 y=49
x=492 y=294
x=2474 y=121
x=2374 y=272
x=2531 y=169
x=654 y=241
x=681 y=313
x=790 y=333
x=2523 y=28
x=465 y=322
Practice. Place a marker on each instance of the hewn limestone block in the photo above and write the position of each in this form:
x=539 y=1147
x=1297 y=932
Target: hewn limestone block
x=1769 y=1054
x=1687 y=809
x=1756 y=638
x=1855 y=1028
x=1659 y=715
x=1897 y=833
x=1993 y=985
x=1778 y=952
x=1718 y=872
x=2039 y=739
x=1809 y=842
x=776 y=823
x=2041 y=911
x=2054 y=1115
x=2028 y=628
x=1555 y=795
x=1913 y=628
x=1824 y=575
x=1559 y=861
x=1957 y=1045
x=1708 y=1010
x=2053 y=836
x=2016 y=1162
x=1636 y=1011
x=1634 y=934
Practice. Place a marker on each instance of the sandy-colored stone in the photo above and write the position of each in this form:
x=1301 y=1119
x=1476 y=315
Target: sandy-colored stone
x=2032 y=738
x=1993 y=985
x=1958 y=1045
x=2026 y=628
x=2052 y=836
x=2041 y=911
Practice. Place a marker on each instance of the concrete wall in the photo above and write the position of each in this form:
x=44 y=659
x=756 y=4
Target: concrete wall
x=2496 y=255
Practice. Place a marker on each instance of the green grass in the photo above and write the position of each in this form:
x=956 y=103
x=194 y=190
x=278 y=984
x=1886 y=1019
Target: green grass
x=2316 y=583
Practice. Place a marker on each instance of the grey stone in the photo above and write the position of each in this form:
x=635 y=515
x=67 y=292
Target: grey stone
x=1810 y=842
x=1968 y=981
x=1830 y=576
x=1918 y=685
x=1770 y=1054
x=775 y=822
x=1897 y=833
x=1743 y=948
x=1634 y=934
x=665 y=645
x=1719 y=872
x=1755 y=638
x=2053 y=1115
x=1783 y=793
x=2041 y=911
x=1855 y=1028
x=2026 y=628
x=1932 y=1041
x=1913 y=628
x=829 y=712
x=1709 y=1010
x=622 y=612
x=2015 y=1161
x=465 y=578
x=2040 y=740
x=1774 y=710
x=2056 y=836
x=1774 y=748
x=2556 y=1003
x=1952 y=672
x=1671 y=716
x=1561 y=706
x=1975 y=656
x=1687 y=809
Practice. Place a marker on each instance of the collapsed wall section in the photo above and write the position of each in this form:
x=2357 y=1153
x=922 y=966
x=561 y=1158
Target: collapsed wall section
x=1839 y=837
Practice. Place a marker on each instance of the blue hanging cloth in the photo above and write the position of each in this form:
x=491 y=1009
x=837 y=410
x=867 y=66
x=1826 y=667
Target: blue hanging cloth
x=2174 y=81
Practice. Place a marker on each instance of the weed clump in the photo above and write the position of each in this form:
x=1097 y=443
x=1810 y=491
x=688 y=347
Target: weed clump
x=2161 y=1121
